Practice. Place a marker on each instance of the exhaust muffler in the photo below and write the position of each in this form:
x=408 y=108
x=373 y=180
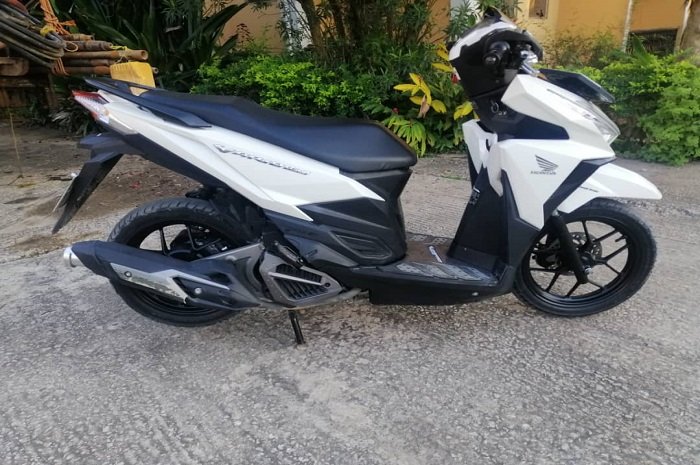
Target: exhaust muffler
x=188 y=282
x=70 y=259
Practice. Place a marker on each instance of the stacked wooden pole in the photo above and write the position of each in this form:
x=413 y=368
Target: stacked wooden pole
x=84 y=55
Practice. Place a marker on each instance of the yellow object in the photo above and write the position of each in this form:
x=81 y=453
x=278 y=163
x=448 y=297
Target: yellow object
x=134 y=71
x=46 y=30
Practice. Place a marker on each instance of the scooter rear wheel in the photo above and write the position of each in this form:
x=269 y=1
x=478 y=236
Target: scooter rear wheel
x=616 y=248
x=182 y=228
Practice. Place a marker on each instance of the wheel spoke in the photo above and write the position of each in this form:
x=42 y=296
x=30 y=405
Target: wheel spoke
x=596 y=284
x=190 y=236
x=605 y=236
x=612 y=268
x=163 y=243
x=585 y=230
x=554 y=280
x=544 y=270
x=571 y=291
x=615 y=253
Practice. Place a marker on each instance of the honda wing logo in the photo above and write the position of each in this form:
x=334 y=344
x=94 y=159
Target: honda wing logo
x=546 y=166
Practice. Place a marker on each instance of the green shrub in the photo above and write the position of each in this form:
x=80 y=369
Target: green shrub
x=295 y=86
x=657 y=104
x=673 y=130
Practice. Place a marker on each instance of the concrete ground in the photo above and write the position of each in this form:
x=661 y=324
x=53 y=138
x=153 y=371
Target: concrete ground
x=85 y=380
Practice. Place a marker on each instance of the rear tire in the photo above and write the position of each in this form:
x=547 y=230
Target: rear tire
x=549 y=267
x=155 y=216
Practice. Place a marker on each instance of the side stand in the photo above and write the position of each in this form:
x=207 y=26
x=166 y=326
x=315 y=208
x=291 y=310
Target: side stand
x=298 y=335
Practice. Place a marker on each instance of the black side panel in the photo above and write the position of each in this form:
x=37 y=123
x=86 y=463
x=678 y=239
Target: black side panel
x=481 y=233
x=578 y=84
x=105 y=151
x=491 y=230
x=356 y=229
x=365 y=231
x=509 y=124
x=160 y=156
x=520 y=234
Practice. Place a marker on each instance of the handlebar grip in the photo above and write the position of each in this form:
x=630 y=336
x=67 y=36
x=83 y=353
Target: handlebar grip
x=496 y=53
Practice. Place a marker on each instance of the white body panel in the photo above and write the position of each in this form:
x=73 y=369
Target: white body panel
x=611 y=181
x=272 y=177
x=478 y=142
x=533 y=184
x=540 y=99
x=536 y=168
x=279 y=180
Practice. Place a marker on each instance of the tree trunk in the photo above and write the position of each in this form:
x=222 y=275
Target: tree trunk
x=691 y=34
x=314 y=22
x=628 y=25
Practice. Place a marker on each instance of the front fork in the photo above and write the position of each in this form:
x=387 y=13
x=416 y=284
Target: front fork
x=569 y=249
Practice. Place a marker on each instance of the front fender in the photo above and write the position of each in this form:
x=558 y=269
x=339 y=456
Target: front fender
x=610 y=181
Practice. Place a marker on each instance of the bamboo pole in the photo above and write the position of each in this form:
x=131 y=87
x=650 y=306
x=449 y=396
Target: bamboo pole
x=88 y=62
x=92 y=45
x=102 y=70
x=137 y=55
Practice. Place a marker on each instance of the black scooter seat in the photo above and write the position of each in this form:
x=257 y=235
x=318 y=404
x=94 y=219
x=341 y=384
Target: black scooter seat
x=353 y=145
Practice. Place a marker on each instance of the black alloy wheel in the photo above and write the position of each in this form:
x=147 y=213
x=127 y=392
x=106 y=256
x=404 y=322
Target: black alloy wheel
x=616 y=249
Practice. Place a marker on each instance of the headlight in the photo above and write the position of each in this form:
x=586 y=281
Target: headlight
x=593 y=113
x=605 y=125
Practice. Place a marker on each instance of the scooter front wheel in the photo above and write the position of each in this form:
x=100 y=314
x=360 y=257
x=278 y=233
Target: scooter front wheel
x=616 y=248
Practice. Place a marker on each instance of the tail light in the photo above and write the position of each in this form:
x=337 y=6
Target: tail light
x=94 y=103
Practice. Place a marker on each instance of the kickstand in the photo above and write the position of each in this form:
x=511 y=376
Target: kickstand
x=298 y=335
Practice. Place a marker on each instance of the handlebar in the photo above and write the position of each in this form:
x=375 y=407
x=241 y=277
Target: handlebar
x=497 y=51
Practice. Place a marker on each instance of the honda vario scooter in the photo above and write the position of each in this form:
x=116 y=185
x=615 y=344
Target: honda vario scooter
x=296 y=211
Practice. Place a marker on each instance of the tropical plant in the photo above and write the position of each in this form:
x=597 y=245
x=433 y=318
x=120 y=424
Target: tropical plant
x=179 y=35
x=437 y=107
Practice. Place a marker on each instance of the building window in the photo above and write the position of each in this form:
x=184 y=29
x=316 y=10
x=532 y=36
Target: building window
x=538 y=9
x=659 y=42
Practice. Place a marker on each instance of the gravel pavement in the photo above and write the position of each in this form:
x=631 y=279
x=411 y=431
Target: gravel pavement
x=85 y=380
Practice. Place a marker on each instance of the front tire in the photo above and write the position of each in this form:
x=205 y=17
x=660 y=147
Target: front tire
x=182 y=228
x=545 y=282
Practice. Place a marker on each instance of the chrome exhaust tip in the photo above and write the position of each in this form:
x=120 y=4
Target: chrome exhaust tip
x=70 y=259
